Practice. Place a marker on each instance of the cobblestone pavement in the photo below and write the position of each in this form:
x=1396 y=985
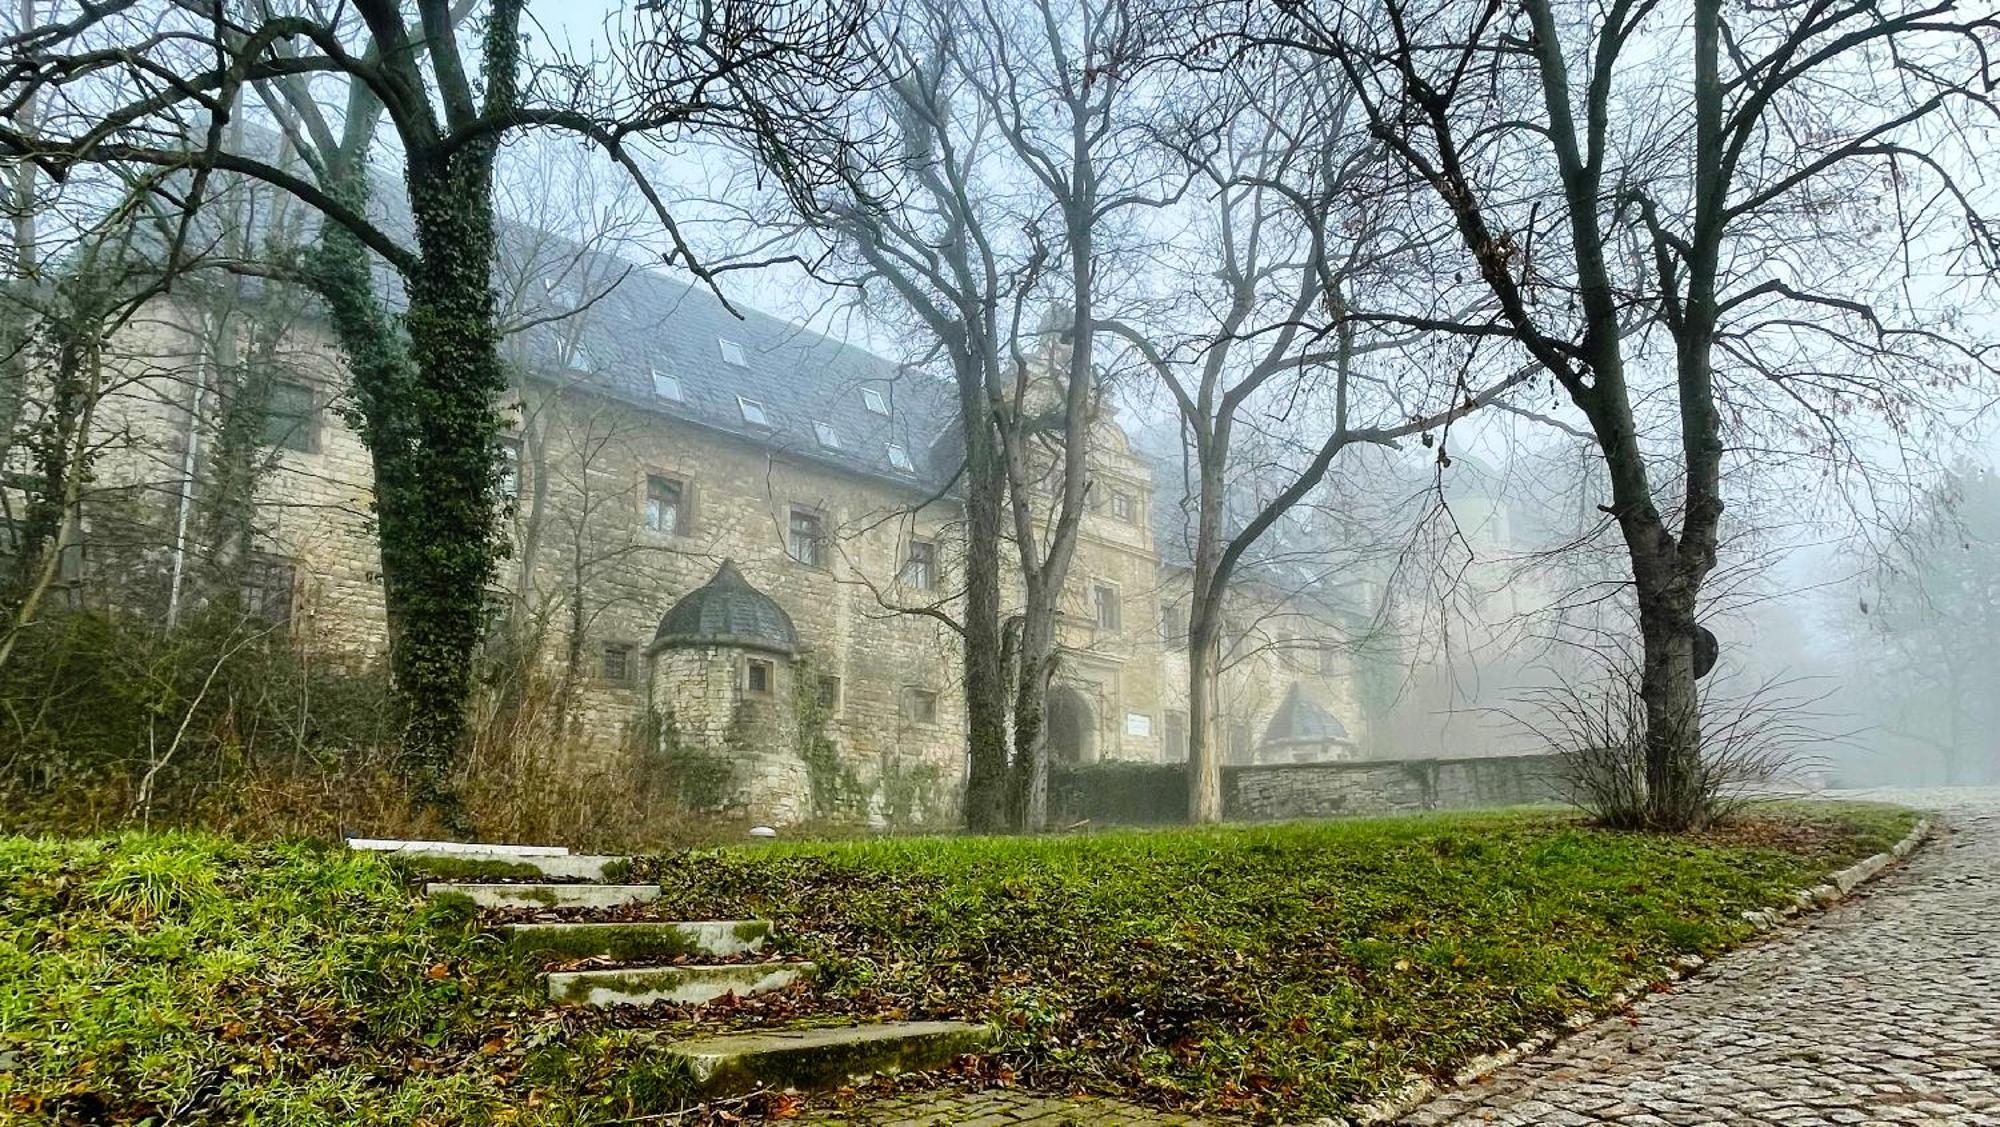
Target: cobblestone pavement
x=1001 y=1108
x=1886 y=1010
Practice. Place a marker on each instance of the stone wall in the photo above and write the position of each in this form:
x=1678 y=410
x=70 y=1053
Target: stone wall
x=1136 y=794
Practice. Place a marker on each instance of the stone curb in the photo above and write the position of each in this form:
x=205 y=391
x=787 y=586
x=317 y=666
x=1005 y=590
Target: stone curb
x=1823 y=895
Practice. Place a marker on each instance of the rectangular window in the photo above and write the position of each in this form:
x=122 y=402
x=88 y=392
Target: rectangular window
x=510 y=469
x=1122 y=507
x=668 y=386
x=805 y=539
x=753 y=412
x=1173 y=626
x=920 y=566
x=732 y=353
x=618 y=662
x=874 y=400
x=827 y=694
x=1138 y=724
x=758 y=676
x=266 y=591
x=1109 y=608
x=288 y=417
x=900 y=459
x=1328 y=659
x=828 y=437
x=666 y=505
x=1176 y=737
x=920 y=706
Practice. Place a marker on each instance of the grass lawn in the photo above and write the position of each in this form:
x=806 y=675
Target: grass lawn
x=1297 y=968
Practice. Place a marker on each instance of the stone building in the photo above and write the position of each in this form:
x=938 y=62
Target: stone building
x=743 y=534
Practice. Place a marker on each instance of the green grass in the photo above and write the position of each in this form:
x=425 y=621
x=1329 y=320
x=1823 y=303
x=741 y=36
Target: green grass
x=176 y=978
x=1307 y=967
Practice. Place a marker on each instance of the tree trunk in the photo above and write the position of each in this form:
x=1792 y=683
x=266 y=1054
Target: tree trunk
x=1031 y=728
x=455 y=347
x=1204 y=763
x=985 y=669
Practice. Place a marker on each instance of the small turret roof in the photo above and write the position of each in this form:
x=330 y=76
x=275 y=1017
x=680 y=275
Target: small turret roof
x=728 y=611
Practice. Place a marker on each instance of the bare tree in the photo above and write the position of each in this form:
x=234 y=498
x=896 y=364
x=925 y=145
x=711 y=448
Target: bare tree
x=1302 y=229
x=1735 y=232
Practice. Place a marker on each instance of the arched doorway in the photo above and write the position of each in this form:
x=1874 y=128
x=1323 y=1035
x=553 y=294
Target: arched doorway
x=1072 y=726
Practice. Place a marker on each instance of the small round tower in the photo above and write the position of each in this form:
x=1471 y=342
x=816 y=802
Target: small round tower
x=722 y=670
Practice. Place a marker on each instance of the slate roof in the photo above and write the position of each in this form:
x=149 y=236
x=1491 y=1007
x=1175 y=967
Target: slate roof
x=808 y=395
x=1301 y=719
x=728 y=611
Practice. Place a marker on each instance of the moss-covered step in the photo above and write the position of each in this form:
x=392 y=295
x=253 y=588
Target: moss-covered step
x=492 y=867
x=465 y=848
x=817 y=1059
x=548 y=895
x=640 y=939
x=641 y=986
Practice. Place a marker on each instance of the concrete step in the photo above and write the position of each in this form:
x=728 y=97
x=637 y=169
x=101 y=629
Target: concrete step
x=813 y=1059
x=474 y=867
x=548 y=895
x=640 y=986
x=469 y=848
x=640 y=939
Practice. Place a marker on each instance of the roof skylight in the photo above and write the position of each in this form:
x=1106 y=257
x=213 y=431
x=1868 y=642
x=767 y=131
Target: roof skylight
x=753 y=412
x=873 y=399
x=828 y=437
x=900 y=458
x=666 y=385
x=732 y=352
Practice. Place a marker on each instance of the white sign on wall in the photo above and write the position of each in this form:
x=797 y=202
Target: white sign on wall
x=1138 y=724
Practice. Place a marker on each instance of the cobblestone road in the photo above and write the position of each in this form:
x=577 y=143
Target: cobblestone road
x=1886 y=1010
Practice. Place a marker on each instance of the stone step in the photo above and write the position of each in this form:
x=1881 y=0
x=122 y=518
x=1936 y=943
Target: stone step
x=470 y=848
x=548 y=895
x=640 y=939
x=815 y=1059
x=473 y=867
x=641 y=986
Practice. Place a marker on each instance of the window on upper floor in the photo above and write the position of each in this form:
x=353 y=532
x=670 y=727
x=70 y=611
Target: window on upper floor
x=667 y=505
x=1173 y=626
x=510 y=469
x=732 y=352
x=666 y=385
x=289 y=417
x=826 y=694
x=1108 y=605
x=1124 y=507
x=759 y=677
x=805 y=537
x=873 y=399
x=920 y=565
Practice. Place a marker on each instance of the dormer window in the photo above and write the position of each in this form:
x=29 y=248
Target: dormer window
x=828 y=437
x=873 y=399
x=668 y=386
x=732 y=353
x=900 y=459
x=753 y=412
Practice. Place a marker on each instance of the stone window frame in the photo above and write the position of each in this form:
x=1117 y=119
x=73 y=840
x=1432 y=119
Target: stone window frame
x=303 y=436
x=751 y=665
x=829 y=702
x=1124 y=507
x=1173 y=625
x=821 y=552
x=685 y=524
x=615 y=662
x=918 y=704
x=1098 y=587
x=268 y=588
